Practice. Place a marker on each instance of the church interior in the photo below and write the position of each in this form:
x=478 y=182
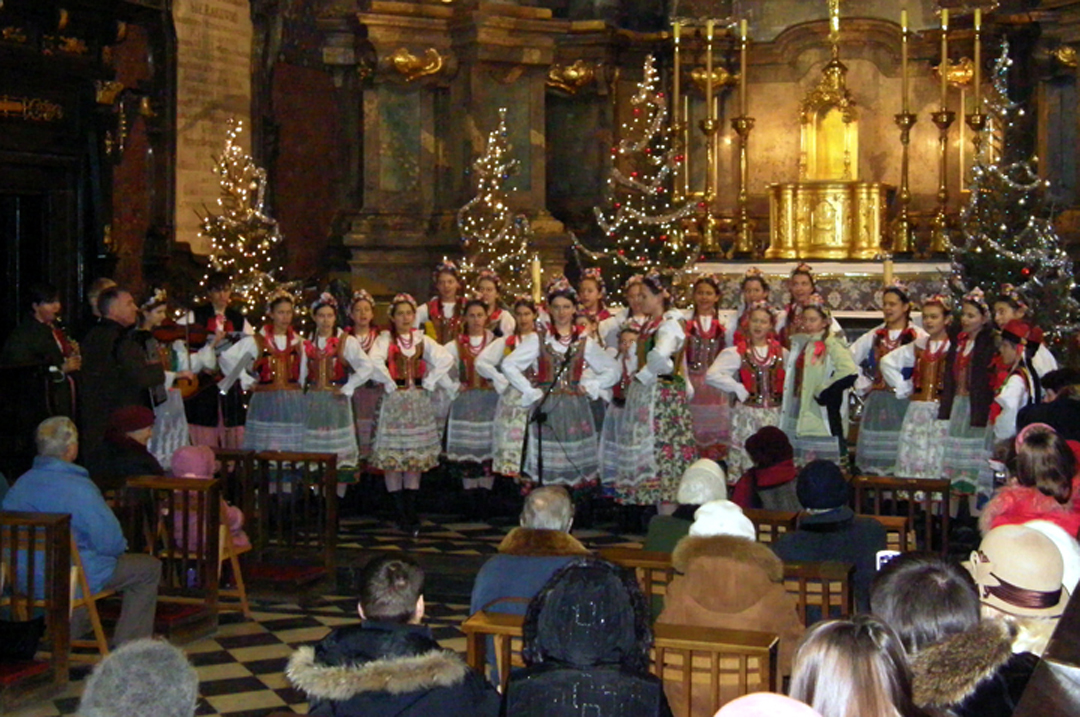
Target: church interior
x=845 y=134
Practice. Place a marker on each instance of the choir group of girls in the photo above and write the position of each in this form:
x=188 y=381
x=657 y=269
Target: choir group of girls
x=579 y=393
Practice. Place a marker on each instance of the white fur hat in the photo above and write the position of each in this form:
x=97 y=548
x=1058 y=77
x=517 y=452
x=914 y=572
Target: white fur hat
x=701 y=482
x=722 y=517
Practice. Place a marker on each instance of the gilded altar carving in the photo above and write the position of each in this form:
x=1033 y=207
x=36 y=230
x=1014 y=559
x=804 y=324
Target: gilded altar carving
x=412 y=67
x=30 y=108
x=826 y=220
x=106 y=91
x=721 y=78
x=571 y=78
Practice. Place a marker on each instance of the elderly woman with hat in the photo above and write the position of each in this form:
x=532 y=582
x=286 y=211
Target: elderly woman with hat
x=702 y=482
x=124 y=451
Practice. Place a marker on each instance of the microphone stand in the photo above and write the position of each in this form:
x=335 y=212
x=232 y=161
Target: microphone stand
x=539 y=416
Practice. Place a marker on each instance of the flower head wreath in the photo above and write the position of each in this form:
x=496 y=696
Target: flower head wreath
x=593 y=272
x=279 y=293
x=942 y=300
x=157 y=298
x=977 y=298
x=325 y=299
x=362 y=295
x=1011 y=292
x=403 y=299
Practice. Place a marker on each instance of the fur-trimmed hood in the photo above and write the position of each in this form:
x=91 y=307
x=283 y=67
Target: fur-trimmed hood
x=728 y=548
x=948 y=672
x=541 y=543
x=394 y=675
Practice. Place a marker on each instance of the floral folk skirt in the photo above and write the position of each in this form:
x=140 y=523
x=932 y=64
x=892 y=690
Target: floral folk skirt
x=879 y=432
x=406 y=437
x=922 y=441
x=570 y=446
x=509 y=441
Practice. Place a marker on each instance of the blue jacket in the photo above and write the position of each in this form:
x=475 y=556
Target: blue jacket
x=56 y=486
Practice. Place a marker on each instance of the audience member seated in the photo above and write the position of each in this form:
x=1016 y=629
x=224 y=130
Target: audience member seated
x=960 y=664
x=586 y=648
x=1018 y=572
x=389 y=664
x=770 y=484
x=729 y=581
x=828 y=528
x=853 y=668
x=123 y=453
x=1067 y=545
x=766 y=704
x=703 y=481
x=529 y=554
x=142 y=678
x=198 y=462
x=1060 y=407
x=56 y=485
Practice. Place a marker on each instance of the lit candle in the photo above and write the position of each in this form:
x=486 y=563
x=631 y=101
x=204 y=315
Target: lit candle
x=903 y=60
x=742 y=69
x=888 y=271
x=978 y=60
x=536 y=292
x=675 y=81
x=943 y=68
x=708 y=68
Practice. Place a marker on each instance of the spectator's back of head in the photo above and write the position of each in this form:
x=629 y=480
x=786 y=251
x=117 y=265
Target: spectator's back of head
x=548 y=508
x=853 y=668
x=924 y=598
x=1045 y=461
x=703 y=481
x=768 y=447
x=56 y=436
x=1059 y=379
x=722 y=517
x=821 y=486
x=390 y=589
x=143 y=677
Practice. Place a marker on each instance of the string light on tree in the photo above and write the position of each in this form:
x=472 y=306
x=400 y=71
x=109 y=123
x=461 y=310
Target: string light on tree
x=642 y=227
x=495 y=237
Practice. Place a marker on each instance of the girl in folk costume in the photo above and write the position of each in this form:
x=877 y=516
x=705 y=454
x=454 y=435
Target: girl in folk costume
x=656 y=439
x=753 y=371
x=469 y=432
x=273 y=365
x=500 y=322
x=916 y=372
x=802 y=287
x=440 y=318
x=1011 y=306
x=170 y=421
x=409 y=364
x=706 y=337
x=626 y=355
x=511 y=417
x=557 y=359
x=365 y=399
x=1020 y=343
x=336 y=366
x=591 y=294
x=630 y=315
x=966 y=397
x=883 y=411
x=819 y=369
x=754 y=288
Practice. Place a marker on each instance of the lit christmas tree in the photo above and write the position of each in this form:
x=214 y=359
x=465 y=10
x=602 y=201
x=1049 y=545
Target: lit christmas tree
x=1007 y=232
x=495 y=237
x=641 y=225
x=244 y=242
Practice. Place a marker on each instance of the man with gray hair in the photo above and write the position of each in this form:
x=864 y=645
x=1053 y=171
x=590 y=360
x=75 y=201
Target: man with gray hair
x=54 y=484
x=144 y=677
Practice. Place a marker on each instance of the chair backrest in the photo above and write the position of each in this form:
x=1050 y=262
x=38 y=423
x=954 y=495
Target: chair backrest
x=899 y=535
x=505 y=631
x=708 y=666
x=296 y=501
x=35 y=570
x=771 y=524
x=822 y=590
x=236 y=471
x=924 y=501
x=652 y=568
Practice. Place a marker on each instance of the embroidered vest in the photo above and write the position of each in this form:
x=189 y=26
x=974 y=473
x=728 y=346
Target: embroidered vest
x=929 y=375
x=440 y=328
x=278 y=370
x=764 y=379
x=467 y=375
x=326 y=370
x=702 y=347
x=407 y=371
x=549 y=361
x=645 y=344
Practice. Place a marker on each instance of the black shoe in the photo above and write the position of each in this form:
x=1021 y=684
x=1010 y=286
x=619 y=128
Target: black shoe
x=412 y=519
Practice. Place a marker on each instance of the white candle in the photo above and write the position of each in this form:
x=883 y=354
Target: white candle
x=943 y=68
x=708 y=68
x=903 y=60
x=742 y=69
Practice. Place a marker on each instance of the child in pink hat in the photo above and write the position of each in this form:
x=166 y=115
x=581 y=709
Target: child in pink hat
x=198 y=462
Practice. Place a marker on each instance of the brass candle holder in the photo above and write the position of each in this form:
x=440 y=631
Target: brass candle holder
x=745 y=242
x=939 y=238
x=977 y=122
x=903 y=228
x=709 y=239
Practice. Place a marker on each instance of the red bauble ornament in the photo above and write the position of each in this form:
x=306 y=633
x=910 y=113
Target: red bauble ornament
x=1025 y=272
x=622 y=252
x=618 y=204
x=663 y=237
x=702 y=205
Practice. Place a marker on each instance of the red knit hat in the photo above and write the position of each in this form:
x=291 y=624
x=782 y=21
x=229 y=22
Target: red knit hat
x=131 y=418
x=1021 y=333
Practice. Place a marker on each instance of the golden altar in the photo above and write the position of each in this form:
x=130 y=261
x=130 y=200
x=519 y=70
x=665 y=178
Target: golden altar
x=826 y=219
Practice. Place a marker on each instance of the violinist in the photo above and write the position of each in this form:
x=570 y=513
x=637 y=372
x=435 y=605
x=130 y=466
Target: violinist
x=216 y=420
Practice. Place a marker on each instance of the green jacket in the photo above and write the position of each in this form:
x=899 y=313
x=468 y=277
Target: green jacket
x=833 y=363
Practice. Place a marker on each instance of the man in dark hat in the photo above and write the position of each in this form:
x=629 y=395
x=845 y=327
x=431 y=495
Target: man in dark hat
x=123 y=453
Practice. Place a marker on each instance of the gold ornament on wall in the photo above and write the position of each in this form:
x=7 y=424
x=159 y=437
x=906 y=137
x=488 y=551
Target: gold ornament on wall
x=720 y=78
x=412 y=67
x=571 y=78
x=1066 y=55
x=107 y=91
x=959 y=73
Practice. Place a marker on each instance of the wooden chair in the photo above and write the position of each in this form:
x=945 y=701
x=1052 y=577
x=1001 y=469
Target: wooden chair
x=505 y=631
x=236 y=472
x=899 y=535
x=771 y=524
x=296 y=501
x=920 y=499
x=81 y=596
x=653 y=569
x=36 y=539
x=822 y=589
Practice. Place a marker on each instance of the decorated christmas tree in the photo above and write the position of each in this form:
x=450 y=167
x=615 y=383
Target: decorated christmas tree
x=495 y=237
x=640 y=224
x=244 y=241
x=1007 y=233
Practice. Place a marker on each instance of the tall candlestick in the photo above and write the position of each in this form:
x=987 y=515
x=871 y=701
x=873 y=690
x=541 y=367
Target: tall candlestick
x=675 y=80
x=978 y=60
x=708 y=68
x=537 y=291
x=742 y=68
x=903 y=60
x=943 y=68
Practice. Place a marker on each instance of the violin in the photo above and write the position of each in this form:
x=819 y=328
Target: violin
x=171 y=331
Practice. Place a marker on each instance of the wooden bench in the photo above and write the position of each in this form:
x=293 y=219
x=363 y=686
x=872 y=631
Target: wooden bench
x=825 y=586
x=296 y=502
x=899 y=535
x=920 y=499
x=28 y=540
x=771 y=524
x=652 y=568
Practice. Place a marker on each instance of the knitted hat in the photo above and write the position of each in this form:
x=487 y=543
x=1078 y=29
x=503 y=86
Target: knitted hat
x=722 y=517
x=1019 y=571
x=193 y=462
x=129 y=419
x=768 y=447
x=766 y=704
x=143 y=677
x=702 y=481
x=821 y=486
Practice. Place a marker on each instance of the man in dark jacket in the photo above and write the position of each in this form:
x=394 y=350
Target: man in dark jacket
x=828 y=528
x=115 y=370
x=1060 y=408
x=389 y=664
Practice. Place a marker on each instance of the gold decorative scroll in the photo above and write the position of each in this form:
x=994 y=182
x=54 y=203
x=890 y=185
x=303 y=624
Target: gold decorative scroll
x=571 y=78
x=831 y=91
x=13 y=34
x=720 y=78
x=30 y=108
x=107 y=91
x=1066 y=55
x=413 y=67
